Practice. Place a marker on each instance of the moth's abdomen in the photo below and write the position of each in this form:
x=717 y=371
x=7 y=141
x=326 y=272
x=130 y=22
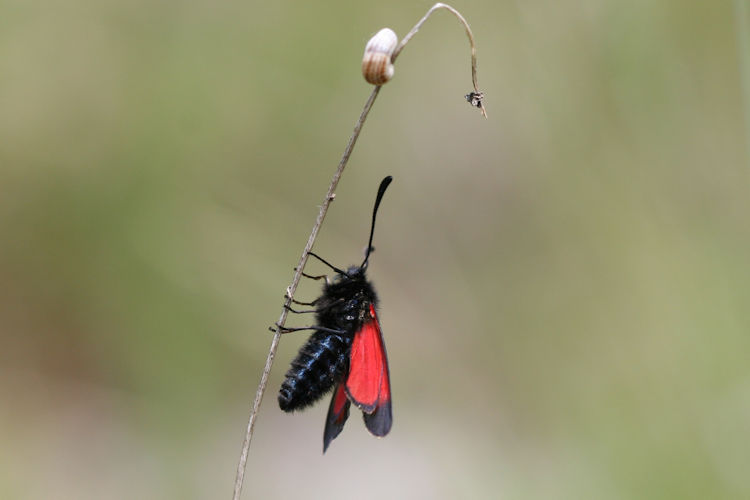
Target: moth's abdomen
x=321 y=362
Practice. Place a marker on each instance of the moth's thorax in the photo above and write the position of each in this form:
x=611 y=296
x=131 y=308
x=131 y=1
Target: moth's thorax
x=345 y=303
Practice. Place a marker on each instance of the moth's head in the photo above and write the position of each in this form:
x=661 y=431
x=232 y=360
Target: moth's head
x=354 y=272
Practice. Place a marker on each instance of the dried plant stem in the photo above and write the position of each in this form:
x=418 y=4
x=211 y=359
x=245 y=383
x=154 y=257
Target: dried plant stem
x=292 y=288
x=458 y=15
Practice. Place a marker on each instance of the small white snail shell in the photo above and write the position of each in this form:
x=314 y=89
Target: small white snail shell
x=377 y=67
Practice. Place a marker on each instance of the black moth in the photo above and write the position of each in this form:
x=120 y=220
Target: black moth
x=345 y=352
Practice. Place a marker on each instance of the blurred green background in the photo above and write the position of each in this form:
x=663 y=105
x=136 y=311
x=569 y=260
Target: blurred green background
x=564 y=286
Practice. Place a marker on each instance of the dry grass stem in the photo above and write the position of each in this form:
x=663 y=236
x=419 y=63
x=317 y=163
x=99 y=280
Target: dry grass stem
x=330 y=194
x=458 y=15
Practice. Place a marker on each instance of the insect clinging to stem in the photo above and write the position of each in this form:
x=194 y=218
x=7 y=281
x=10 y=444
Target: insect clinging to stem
x=345 y=353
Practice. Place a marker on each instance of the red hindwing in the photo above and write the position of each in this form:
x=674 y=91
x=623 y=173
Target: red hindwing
x=368 y=384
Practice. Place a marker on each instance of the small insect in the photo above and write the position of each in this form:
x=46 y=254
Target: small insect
x=345 y=353
x=475 y=99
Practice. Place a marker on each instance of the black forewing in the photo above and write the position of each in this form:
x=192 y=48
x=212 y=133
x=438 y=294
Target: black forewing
x=338 y=412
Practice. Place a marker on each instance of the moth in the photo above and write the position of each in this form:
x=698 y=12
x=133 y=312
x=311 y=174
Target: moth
x=345 y=352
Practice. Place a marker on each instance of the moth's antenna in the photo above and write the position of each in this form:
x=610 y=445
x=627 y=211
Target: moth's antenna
x=381 y=191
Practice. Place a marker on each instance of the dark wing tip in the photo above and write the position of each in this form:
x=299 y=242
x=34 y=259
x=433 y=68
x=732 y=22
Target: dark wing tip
x=379 y=421
x=338 y=412
x=330 y=436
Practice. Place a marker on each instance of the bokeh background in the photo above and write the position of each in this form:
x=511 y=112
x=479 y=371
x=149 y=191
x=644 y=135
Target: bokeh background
x=564 y=286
